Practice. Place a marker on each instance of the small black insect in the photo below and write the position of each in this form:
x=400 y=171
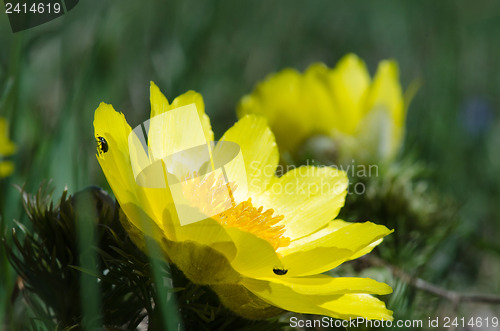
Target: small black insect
x=280 y=272
x=102 y=144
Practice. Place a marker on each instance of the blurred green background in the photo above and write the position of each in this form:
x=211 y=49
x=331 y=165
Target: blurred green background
x=53 y=77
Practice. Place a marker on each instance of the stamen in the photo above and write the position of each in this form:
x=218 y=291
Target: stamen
x=250 y=219
x=212 y=196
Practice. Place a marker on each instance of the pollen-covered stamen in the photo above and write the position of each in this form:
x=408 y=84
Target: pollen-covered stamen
x=262 y=224
x=214 y=197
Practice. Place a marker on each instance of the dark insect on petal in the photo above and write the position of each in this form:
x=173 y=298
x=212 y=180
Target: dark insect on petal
x=280 y=272
x=102 y=144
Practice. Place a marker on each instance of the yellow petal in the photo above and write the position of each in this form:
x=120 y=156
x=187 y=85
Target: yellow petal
x=317 y=100
x=115 y=162
x=6 y=168
x=309 y=197
x=255 y=257
x=280 y=100
x=341 y=306
x=386 y=98
x=349 y=83
x=386 y=91
x=326 y=285
x=330 y=227
x=193 y=97
x=277 y=93
x=297 y=245
x=366 y=250
x=114 y=129
x=202 y=264
x=174 y=131
x=141 y=205
x=259 y=151
x=327 y=252
x=376 y=138
x=159 y=105
x=206 y=232
x=7 y=147
x=362 y=305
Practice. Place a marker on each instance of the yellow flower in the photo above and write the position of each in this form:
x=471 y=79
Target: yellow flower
x=363 y=117
x=7 y=148
x=267 y=241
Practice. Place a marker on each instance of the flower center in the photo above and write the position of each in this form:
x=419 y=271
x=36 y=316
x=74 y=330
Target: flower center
x=250 y=219
x=214 y=197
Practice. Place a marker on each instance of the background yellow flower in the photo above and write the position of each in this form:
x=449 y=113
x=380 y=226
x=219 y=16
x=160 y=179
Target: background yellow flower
x=364 y=117
x=7 y=148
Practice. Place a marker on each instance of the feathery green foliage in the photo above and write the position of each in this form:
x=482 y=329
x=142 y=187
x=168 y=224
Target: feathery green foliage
x=46 y=253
